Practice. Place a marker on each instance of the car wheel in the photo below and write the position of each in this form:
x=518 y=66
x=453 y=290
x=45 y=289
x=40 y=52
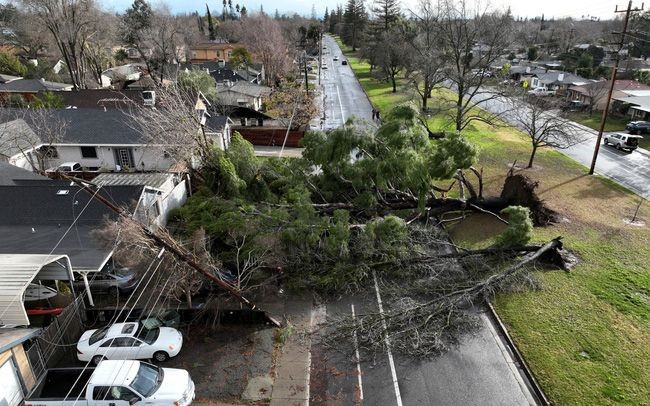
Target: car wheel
x=606 y=141
x=97 y=359
x=161 y=356
x=618 y=147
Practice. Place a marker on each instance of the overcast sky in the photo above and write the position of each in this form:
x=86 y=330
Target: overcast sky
x=550 y=8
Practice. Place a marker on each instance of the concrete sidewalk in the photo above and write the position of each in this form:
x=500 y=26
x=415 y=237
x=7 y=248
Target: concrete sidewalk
x=291 y=384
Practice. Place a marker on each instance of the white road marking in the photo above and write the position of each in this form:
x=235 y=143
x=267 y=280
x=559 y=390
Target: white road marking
x=398 y=397
x=340 y=104
x=356 y=353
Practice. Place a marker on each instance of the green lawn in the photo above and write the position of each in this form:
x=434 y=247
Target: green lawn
x=586 y=333
x=612 y=124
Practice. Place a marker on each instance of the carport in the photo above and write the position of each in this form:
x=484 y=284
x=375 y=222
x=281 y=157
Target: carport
x=17 y=271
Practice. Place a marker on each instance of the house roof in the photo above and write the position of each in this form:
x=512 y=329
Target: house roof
x=561 y=78
x=16 y=135
x=641 y=103
x=214 y=45
x=11 y=337
x=32 y=86
x=249 y=89
x=100 y=98
x=145 y=82
x=155 y=180
x=216 y=123
x=622 y=88
x=13 y=175
x=8 y=78
x=225 y=74
x=16 y=273
x=84 y=126
x=35 y=217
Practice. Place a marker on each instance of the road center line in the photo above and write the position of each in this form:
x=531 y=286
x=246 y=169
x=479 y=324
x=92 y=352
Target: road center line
x=356 y=353
x=398 y=397
x=340 y=104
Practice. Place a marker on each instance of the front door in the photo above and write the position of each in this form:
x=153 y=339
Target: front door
x=124 y=158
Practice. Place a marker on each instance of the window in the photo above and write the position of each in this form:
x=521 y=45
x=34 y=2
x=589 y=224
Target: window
x=122 y=393
x=148 y=379
x=100 y=393
x=88 y=152
x=48 y=152
x=97 y=335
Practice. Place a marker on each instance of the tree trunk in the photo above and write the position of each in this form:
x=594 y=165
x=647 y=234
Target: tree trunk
x=532 y=156
x=394 y=83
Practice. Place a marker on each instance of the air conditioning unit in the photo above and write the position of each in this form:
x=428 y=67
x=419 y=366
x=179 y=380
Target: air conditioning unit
x=149 y=98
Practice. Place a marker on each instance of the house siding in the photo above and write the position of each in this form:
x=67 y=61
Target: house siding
x=152 y=158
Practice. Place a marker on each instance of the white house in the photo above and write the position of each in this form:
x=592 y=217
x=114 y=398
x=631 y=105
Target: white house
x=161 y=193
x=242 y=94
x=99 y=140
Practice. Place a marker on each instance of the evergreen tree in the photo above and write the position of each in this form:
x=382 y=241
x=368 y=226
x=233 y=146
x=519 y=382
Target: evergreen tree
x=223 y=13
x=243 y=12
x=354 y=18
x=386 y=12
x=200 y=23
x=211 y=31
x=276 y=15
x=326 y=16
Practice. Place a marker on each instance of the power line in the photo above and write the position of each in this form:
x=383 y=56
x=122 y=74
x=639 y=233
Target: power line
x=627 y=12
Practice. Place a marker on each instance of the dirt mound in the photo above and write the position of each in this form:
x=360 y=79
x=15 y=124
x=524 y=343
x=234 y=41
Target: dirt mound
x=520 y=190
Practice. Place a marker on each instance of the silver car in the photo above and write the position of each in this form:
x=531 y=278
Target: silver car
x=122 y=280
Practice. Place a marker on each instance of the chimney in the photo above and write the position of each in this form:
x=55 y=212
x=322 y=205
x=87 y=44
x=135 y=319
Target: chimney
x=527 y=69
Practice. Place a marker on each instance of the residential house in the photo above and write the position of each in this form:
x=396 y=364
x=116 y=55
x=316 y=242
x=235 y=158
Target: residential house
x=16 y=372
x=101 y=98
x=161 y=193
x=557 y=80
x=120 y=74
x=218 y=128
x=99 y=140
x=8 y=78
x=596 y=92
x=521 y=73
x=212 y=51
x=28 y=88
x=242 y=94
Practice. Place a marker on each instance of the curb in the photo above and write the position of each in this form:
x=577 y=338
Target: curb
x=537 y=389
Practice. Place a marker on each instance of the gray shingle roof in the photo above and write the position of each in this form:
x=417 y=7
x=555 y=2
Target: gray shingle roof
x=13 y=175
x=88 y=126
x=16 y=136
x=32 y=86
x=35 y=217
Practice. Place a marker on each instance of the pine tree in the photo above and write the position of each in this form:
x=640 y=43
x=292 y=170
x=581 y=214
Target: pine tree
x=223 y=14
x=243 y=12
x=276 y=15
x=211 y=31
x=386 y=12
x=354 y=18
x=326 y=16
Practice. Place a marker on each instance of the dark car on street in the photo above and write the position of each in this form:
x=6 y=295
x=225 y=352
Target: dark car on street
x=638 y=127
x=344 y=62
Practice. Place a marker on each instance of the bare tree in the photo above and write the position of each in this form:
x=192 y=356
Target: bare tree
x=596 y=92
x=538 y=119
x=391 y=54
x=27 y=33
x=175 y=125
x=292 y=105
x=425 y=61
x=470 y=41
x=72 y=23
x=268 y=45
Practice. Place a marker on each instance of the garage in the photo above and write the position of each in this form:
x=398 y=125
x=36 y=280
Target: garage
x=11 y=392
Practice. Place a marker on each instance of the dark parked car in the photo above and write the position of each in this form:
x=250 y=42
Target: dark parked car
x=638 y=127
x=344 y=62
x=122 y=280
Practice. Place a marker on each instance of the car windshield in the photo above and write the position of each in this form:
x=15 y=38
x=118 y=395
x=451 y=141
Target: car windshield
x=122 y=272
x=149 y=336
x=97 y=335
x=147 y=380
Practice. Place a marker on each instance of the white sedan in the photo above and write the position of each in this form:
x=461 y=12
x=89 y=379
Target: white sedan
x=139 y=340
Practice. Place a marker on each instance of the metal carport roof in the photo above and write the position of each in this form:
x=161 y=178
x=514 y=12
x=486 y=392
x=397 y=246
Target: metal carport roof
x=17 y=271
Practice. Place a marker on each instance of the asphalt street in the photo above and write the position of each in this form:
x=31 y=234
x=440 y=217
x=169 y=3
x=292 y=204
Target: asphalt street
x=342 y=93
x=479 y=371
x=631 y=170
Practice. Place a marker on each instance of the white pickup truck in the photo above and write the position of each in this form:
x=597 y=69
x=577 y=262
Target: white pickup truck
x=541 y=91
x=113 y=383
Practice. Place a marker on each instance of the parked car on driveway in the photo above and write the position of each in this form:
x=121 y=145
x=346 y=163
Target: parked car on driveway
x=541 y=91
x=117 y=383
x=133 y=340
x=112 y=281
x=622 y=141
x=67 y=167
x=638 y=127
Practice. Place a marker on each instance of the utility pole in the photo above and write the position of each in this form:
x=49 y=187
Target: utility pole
x=621 y=44
x=304 y=58
x=320 y=56
x=171 y=245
